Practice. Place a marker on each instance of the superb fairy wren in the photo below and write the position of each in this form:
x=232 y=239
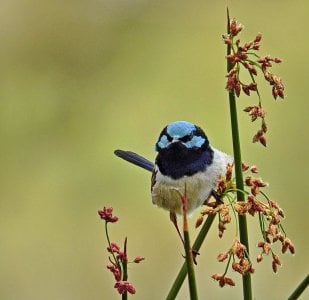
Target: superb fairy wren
x=185 y=160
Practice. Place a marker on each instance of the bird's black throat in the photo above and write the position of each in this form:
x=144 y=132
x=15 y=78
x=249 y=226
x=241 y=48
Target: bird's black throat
x=177 y=160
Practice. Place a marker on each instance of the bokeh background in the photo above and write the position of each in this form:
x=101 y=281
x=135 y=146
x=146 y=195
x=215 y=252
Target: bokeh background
x=79 y=79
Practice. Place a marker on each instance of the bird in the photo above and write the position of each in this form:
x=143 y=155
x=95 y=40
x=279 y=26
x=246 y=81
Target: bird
x=185 y=163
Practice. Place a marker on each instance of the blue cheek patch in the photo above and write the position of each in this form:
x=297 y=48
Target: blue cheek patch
x=180 y=129
x=162 y=143
x=196 y=142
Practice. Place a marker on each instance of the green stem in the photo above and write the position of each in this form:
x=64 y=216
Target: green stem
x=196 y=246
x=302 y=286
x=234 y=212
x=228 y=263
x=188 y=251
x=124 y=296
x=242 y=220
x=125 y=269
x=110 y=246
x=190 y=267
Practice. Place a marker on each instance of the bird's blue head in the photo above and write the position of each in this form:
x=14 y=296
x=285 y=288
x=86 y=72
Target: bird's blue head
x=182 y=134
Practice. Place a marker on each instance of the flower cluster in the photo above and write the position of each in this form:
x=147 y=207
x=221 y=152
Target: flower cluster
x=223 y=212
x=244 y=56
x=106 y=213
x=241 y=263
x=225 y=182
x=223 y=280
x=117 y=252
x=118 y=260
x=255 y=184
x=269 y=213
x=274 y=81
x=124 y=286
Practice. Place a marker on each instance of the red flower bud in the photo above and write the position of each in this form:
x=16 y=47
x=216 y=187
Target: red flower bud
x=259 y=258
x=258 y=38
x=222 y=256
x=138 y=259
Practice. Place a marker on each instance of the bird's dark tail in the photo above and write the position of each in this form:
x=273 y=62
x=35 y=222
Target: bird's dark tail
x=135 y=159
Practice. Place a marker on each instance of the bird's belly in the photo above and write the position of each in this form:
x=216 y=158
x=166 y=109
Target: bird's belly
x=166 y=192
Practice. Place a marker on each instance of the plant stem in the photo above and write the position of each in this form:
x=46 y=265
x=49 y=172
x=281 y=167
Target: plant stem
x=188 y=251
x=190 y=267
x=110 y=246
x=243 y=232
x=196 y=246
x=125 y=269
x=302 y=286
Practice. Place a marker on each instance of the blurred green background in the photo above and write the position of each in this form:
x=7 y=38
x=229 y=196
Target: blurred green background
x=79 y=79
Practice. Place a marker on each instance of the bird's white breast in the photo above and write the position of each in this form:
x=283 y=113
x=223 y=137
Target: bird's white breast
x=166 y=192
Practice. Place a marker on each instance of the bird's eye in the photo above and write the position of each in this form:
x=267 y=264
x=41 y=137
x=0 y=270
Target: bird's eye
x=169 y=138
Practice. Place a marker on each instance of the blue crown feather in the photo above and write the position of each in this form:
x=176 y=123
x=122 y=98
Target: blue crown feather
x=180 y=129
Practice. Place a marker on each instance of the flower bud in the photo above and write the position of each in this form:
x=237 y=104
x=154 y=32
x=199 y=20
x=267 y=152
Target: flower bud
x=138 y=259
x=259 y=258
x=199 y=221
x=258 y=38
x=222 y=256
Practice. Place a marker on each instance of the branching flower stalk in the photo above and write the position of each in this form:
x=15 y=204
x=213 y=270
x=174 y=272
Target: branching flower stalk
x=245 y=57
x=118 y=261
x=270 y=216
x=243 y=231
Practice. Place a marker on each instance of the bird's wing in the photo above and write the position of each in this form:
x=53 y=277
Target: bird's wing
x=135 y=159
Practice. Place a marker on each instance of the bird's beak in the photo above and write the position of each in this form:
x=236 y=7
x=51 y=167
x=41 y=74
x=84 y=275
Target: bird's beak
x=176 y=144
x=175 y=139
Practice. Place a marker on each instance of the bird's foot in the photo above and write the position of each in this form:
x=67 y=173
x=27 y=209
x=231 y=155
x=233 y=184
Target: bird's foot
x=194 y=254
x=217 y=196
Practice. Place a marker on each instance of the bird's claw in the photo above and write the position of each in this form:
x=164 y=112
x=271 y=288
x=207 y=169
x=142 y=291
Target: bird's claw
x=194 y=254
x=217 y=196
